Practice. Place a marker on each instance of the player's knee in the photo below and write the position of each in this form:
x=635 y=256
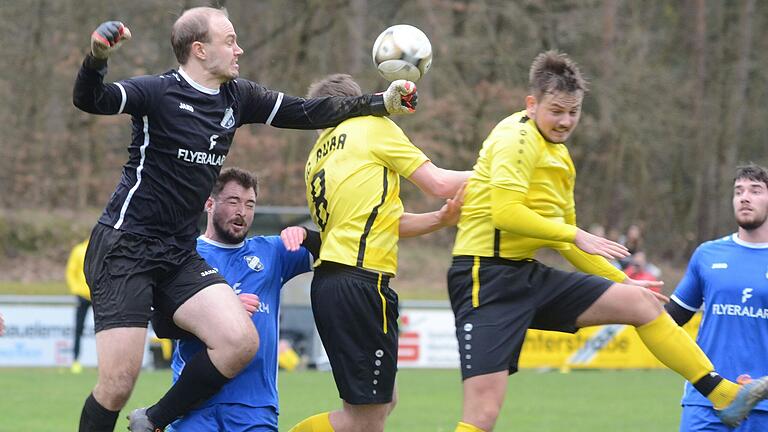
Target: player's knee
x=375 y=423
x=113 y=390
x=648 y=301
x=241 y=345
x=485 y=417
x=391 y=405
x=641 y=306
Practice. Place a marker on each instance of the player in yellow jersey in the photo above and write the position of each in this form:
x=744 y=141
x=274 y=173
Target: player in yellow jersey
x=353 y=184
x=520 y=199
x=79 y=287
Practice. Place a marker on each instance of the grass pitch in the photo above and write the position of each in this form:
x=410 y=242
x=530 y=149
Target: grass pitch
x=429 y=400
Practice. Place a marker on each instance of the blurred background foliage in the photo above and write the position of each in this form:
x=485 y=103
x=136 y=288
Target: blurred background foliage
x=677 y=100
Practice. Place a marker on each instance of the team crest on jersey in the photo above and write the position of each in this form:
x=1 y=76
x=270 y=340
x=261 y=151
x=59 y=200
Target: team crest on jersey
x=254 y=263
x=229 y=118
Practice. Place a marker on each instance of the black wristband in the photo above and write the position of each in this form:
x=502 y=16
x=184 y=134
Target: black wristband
x=377 y=106
x=312 y=242
x=94 y=63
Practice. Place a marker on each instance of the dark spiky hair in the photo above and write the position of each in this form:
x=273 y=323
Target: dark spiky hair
x=552 y=72
x=752 y=171
x=237 y=175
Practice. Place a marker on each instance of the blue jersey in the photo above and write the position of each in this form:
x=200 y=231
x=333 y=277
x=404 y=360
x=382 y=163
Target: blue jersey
x=728 y=279
x=259 y=265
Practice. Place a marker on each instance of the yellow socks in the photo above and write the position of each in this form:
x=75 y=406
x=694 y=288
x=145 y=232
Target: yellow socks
x=723 y=394
x=316 y=423
x=466 y=427
x=673 y=347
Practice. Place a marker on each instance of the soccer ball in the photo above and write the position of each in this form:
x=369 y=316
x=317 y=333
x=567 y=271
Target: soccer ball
x=402 y=52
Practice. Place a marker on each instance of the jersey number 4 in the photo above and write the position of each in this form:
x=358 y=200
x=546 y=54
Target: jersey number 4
x=319 y=203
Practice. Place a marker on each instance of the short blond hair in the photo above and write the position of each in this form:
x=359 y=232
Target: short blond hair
x=192 y=26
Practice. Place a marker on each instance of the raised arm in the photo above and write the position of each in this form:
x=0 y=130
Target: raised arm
x=90 y=94
x=290 y=112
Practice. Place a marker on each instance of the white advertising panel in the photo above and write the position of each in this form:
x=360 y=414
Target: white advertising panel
x=43 y=335
x=427 y=339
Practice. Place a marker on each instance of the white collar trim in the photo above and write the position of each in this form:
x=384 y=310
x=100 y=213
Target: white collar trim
x=220 y=244
x=197 y=86
x=741 y=242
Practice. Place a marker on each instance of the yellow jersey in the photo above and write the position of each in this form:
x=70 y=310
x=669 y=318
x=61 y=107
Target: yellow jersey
x=515 y=156
x=353 y=191
x=75 y=276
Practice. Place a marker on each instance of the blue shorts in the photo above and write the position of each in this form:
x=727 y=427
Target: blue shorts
x=227 y=417
x=698 y=418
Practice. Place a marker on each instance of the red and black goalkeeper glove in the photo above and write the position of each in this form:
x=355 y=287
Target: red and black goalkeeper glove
x=108 y=37
x=401 y=97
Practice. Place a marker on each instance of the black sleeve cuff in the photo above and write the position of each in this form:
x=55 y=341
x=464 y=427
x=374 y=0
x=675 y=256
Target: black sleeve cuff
x=678 y=313
x=312 y=242
x=94 y=63
x=376 y=105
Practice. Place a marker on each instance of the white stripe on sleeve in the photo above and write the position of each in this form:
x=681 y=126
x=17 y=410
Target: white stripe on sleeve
x=275 y=108
x=125 y=98
x=683 y=305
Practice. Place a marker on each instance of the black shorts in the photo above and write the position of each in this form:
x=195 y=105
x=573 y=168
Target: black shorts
x=129 y=274
x=495 y=300
x=356 y=316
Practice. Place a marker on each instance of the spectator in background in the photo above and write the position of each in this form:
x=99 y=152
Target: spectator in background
x=640 y=269
x=614 y=235
x=2 y=325
x=599 y=230
x=78 y=287
x=633 y=241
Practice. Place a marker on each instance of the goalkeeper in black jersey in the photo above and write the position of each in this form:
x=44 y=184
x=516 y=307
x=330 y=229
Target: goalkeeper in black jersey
x=141 y=254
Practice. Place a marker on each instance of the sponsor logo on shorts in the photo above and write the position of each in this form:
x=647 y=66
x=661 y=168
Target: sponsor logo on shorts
x=208 y=272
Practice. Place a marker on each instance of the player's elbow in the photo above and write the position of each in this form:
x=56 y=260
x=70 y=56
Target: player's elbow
x=440 y=186
x=500 y=218
x=81 y=102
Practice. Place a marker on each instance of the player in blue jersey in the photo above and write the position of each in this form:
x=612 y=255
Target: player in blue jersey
x=142 y=254
x=728 y=279
x=255 y=267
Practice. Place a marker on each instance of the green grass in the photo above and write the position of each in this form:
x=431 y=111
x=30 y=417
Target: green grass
x=429 y=400
x=34 y=288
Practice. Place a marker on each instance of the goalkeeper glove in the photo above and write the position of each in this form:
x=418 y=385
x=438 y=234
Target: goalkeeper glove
x=401 y=97
x=107 y=37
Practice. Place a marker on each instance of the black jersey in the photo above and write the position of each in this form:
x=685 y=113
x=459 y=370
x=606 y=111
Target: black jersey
x=181 y=135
